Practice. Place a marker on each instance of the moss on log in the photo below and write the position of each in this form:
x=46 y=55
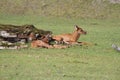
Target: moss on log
x=26 y=29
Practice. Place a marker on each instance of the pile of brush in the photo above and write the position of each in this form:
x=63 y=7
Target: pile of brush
x=12 y=34
x=26 y=29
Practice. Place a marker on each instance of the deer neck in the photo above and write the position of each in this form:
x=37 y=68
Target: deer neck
x=75 y=36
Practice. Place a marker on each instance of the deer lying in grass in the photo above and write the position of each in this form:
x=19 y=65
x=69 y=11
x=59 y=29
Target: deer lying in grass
x=70 y=38
x=45 y=43
x=40 y=43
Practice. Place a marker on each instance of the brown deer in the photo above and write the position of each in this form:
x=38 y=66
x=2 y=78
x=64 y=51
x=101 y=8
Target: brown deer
x=70 y=38
x=44 y=42
x=46 y=38
x=40 y=43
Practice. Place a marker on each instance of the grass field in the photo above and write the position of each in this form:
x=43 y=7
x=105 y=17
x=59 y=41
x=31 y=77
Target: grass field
x=62 y=8
x=98 y=62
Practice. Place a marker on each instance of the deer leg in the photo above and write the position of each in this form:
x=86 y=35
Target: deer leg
x=86 y=43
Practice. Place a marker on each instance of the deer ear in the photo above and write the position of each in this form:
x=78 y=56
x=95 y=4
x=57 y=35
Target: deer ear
x=76 y=27
x=49 y=35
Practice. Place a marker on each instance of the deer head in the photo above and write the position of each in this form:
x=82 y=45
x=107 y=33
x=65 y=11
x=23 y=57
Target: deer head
x=80 y=30
x=46 y=38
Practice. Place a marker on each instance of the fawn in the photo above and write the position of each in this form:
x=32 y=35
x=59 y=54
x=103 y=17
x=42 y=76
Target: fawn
x=40 y=43
x=44 y=42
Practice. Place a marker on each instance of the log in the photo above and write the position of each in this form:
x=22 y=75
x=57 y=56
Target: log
x=26 y=29
x=13 y=33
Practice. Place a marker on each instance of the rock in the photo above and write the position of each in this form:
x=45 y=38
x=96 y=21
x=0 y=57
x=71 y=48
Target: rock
x=116 y=47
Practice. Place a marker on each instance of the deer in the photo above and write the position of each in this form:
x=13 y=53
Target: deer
x=45 y=43
x=40 y=43
x=46 y=38
x=70 y=38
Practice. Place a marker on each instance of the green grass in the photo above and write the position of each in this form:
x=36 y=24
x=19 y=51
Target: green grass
x=63 y=8
x=99 y=62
